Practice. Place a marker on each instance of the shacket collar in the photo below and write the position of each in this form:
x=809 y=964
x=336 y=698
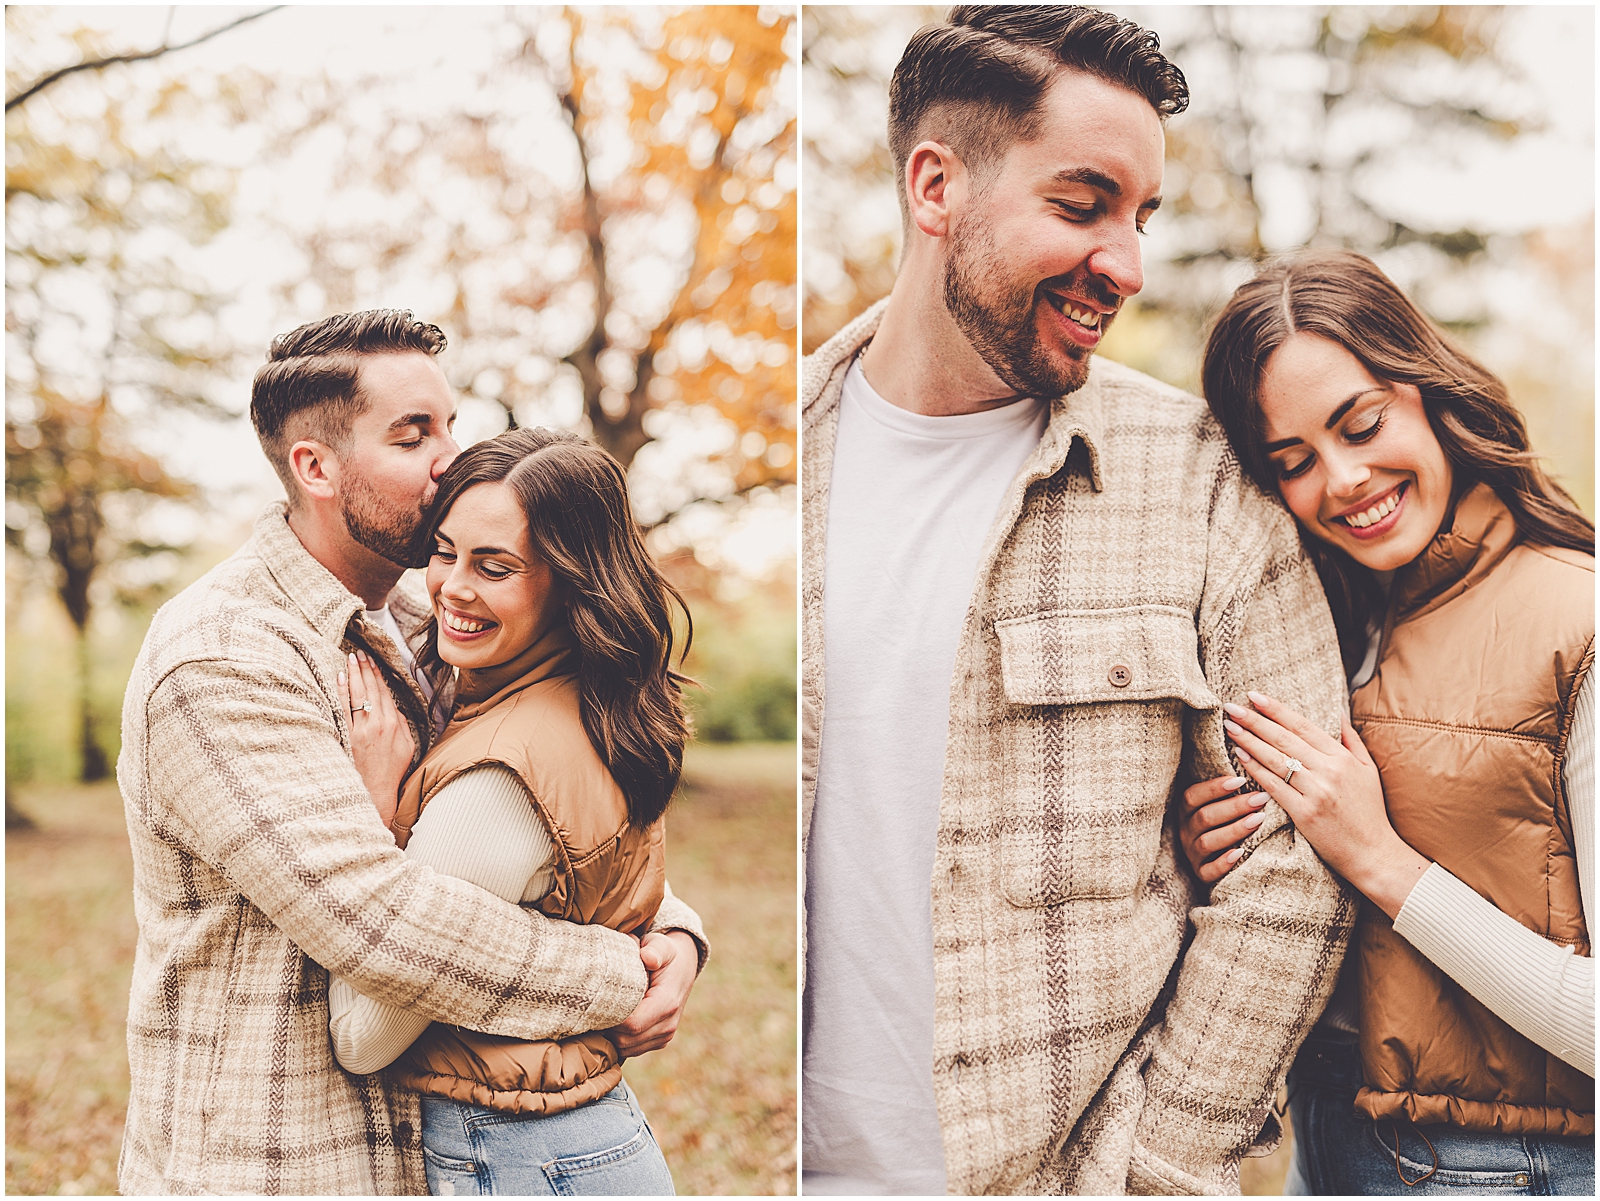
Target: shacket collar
x=1078 y=415
x=326 y=603
x=336 y=613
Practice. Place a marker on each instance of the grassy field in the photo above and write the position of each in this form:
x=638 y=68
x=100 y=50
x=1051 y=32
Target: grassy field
x=721 y=1098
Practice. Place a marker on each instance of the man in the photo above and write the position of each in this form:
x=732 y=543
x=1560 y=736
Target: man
x=1031 y=578
x=260 y=861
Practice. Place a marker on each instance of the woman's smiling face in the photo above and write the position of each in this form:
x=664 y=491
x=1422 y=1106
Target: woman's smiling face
x=1355 y=457
x=492 y=593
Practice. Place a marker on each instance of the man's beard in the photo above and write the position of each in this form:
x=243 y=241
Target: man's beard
x=382 y=529
x=997 y=317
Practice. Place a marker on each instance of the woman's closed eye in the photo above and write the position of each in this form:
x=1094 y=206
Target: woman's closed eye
x=1370 y=432
x=1288 y=471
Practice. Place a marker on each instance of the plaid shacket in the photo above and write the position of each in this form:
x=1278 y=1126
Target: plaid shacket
x=260 y=864
x=1101 y=1025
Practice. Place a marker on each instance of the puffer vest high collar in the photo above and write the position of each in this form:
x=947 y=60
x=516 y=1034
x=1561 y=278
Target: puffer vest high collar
x=524 y=715
x=1486 y=643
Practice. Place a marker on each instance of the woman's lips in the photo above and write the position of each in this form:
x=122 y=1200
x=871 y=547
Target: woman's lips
x=462 y=627
x=1394 y=501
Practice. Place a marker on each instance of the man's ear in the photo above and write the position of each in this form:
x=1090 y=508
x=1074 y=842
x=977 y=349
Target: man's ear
x=936 y=181
x=315 y=469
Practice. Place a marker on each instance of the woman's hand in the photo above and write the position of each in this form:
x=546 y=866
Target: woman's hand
x=1333 y=793
x=380 y=739
x=1214 y=821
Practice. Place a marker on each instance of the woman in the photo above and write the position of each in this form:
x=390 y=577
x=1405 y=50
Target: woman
x=546 y=787
x=1458 y=1049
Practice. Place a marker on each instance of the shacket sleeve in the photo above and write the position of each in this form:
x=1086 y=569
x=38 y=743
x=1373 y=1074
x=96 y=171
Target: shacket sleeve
x=1267 y=945
x=676 y=915
x=254 y=781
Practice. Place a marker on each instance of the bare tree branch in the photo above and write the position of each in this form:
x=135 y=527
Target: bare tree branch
x=96 y=64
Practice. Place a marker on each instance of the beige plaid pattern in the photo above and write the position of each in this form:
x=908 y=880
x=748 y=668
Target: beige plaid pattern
x=1132 y=581
x=260 y=864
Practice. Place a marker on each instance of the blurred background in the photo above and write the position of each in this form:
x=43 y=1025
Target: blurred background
x=598 y=207
x=1454 y=145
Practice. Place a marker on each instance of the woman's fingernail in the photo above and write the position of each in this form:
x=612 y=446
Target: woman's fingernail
x=1244 y=755
x=1235 y=783
x=341 y=677
x=1233 y=727
x=1237 y=710
x=1259 y=698
x=1258 y=799
x=1254 y=820
x=1233 y=855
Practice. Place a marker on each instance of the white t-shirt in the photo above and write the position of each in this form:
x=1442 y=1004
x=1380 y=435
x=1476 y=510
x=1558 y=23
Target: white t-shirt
x=911 y=502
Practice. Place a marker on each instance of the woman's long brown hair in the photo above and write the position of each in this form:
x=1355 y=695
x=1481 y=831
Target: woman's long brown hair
x=619 y=606
x=1344 y=297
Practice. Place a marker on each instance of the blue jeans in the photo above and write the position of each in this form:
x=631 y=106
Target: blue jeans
x=602 y=1149
x=1339 y=1152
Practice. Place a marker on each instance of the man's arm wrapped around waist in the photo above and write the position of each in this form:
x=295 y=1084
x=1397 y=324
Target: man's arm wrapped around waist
x=247 y=772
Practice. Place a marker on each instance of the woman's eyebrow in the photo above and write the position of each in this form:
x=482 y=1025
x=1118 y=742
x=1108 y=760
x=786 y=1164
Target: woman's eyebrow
x=496 y=550
x=1338 y=414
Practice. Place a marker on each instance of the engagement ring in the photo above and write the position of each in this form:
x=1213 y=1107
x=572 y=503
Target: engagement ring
x=1290 y=768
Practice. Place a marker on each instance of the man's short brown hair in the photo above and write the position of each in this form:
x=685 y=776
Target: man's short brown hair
x=310 y=385
x=977 y=82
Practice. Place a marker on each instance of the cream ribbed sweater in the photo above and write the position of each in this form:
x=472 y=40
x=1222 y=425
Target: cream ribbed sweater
x=480 y=828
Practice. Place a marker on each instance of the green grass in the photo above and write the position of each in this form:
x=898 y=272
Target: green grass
x=721 y=1098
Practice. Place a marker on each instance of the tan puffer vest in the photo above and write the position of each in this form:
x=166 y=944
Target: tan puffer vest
x=1467 y=718
x=524 y=715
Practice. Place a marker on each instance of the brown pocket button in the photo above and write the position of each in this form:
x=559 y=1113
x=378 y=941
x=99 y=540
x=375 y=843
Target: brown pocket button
x=1119 y=676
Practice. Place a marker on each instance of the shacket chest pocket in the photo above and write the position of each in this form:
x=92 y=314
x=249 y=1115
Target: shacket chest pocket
x=1092 y=740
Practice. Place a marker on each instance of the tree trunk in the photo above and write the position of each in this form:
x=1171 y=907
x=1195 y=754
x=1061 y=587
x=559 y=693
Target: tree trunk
x=16 y=819
x=93 y=757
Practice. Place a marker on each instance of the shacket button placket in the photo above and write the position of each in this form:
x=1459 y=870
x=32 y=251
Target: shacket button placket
x=1120 y=676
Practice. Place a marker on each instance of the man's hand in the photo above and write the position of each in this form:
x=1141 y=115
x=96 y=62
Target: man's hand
x=672 y=960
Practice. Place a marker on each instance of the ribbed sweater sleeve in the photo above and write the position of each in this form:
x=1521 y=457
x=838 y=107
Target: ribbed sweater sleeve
x=1539 y=988
x=481 y=828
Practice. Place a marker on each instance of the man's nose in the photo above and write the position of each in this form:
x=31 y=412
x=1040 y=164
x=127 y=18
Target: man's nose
x=448 y=450
x=1118 y=262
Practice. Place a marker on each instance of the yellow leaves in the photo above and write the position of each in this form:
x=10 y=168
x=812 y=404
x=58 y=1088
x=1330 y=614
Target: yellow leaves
x=707 y=125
